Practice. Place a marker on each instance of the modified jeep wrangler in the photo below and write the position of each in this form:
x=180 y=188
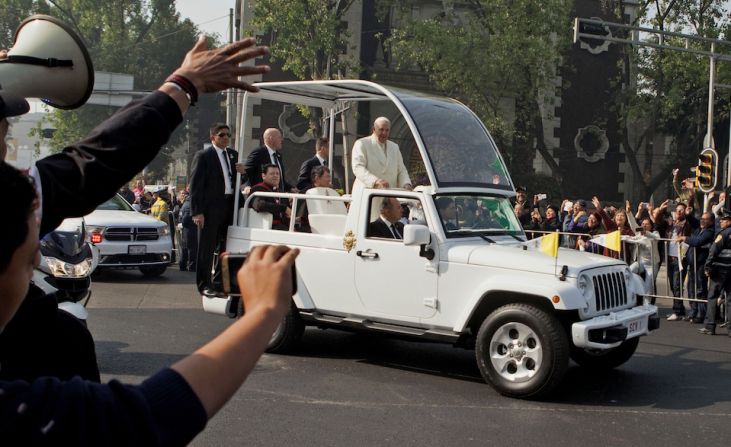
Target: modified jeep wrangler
x=469 y=279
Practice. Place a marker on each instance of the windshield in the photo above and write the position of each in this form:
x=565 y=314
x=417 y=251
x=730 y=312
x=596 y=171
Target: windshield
x=459 y=149
x=116 y=203
x=466 y=215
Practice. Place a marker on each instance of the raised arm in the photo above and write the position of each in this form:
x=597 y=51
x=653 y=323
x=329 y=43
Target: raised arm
x=218 y=369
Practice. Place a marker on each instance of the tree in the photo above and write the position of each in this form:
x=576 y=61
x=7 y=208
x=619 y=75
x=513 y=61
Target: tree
x=664 y=92
x=485 y=51
x=309 y=37
x=145 y=38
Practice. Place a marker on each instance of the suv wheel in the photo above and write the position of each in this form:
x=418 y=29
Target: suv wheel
x=522 y=351
x=606 y=358
x=288 y=333
x=153 y=272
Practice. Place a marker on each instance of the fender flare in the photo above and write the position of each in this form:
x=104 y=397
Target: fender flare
x=546 y=289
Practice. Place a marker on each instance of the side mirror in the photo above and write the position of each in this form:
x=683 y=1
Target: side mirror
x=416 y=235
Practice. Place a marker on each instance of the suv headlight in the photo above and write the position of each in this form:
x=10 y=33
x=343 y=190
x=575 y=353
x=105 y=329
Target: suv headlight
x=61 y=269
x=163 y=231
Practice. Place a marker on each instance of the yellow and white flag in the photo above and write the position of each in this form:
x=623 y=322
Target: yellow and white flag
x=547 y=244
x=612 y=241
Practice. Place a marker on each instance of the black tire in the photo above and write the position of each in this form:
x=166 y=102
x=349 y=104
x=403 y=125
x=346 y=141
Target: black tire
x=540 y=345
x=153 y=272
x=605 y=359
x=288 y=334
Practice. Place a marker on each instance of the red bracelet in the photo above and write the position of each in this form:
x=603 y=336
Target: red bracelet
x=186 y=85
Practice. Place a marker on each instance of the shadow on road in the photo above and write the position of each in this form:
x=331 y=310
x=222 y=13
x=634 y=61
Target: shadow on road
x=114 y=360
x=662 y=375
x=171 y=276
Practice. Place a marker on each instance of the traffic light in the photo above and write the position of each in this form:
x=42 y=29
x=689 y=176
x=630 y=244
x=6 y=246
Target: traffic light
x=707 y=170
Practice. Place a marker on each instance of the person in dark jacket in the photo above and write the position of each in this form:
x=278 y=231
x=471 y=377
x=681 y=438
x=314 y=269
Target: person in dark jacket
x=279 y=210
x=171 y=407
x=718 y=270
x=694 y=263
x=322 y=152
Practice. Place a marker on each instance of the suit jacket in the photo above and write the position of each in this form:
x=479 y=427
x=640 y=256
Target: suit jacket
x=269 y=204
x=378 y=228
x=258 y=158
x=207 y=186
x=370 y=163
x=304 y=181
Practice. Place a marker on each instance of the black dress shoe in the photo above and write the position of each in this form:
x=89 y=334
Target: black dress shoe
x=697 y=320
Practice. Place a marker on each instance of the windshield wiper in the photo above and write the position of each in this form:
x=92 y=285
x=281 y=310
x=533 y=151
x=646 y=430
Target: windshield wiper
x=486 y=238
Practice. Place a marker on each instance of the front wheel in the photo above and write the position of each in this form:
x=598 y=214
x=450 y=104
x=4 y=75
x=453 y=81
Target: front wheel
x=606 y=358
x=522 y=351
x=288 y=333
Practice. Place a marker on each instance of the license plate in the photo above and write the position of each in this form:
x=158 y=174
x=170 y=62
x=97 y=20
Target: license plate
x=137 y=249
x=635 y=327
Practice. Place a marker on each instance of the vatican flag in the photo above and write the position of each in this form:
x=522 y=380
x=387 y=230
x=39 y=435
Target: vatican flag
x=547 y=244
x=612 y=241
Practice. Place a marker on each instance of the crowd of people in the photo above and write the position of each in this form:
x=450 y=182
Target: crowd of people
x=686 y=235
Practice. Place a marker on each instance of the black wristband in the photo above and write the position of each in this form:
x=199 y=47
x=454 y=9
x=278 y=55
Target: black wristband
x=186 y=85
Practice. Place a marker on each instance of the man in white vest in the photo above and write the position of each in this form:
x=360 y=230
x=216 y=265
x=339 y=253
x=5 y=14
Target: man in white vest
x=377 y=162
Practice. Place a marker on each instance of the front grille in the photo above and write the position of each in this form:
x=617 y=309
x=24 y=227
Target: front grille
x=130 y=234
x=610 y=291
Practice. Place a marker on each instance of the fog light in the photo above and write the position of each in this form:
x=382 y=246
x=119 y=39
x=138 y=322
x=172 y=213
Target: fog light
x=96 y=238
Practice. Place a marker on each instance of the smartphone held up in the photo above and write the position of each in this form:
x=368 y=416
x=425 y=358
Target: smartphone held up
x=231 y=263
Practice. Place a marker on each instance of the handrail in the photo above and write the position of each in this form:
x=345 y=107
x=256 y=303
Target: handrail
x=286 y=195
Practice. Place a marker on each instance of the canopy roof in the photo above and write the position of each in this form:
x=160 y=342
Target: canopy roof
x=456 y=148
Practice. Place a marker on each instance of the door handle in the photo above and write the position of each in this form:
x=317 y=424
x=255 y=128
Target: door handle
x=366 y=254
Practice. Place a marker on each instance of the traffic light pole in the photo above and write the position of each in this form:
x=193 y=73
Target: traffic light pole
x=593 y=29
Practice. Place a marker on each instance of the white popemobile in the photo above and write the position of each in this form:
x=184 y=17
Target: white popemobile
x=473 y=283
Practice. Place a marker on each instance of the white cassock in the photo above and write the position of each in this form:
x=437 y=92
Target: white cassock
x=371 y=162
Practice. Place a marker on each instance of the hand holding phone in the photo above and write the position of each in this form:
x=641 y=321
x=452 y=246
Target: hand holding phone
x=231 y=264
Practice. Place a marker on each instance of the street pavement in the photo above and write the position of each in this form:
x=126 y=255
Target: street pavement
x=343 y=389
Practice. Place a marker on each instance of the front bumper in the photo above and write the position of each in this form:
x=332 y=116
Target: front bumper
x=609 y=331
x=118 y=254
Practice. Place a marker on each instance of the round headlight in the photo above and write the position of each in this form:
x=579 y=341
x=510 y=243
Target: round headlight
x=583 y=283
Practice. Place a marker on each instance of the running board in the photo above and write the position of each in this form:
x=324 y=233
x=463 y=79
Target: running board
x=337 y=322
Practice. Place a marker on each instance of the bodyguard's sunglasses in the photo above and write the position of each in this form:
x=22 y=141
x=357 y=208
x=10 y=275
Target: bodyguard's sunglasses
x=223 y=134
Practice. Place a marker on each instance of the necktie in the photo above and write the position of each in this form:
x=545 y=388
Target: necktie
x=324 y=162
x=395 y=232
x=227 y=169
x=276 y=156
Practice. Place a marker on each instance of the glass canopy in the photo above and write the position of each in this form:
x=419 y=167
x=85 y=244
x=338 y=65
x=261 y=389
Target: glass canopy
x=456 y=148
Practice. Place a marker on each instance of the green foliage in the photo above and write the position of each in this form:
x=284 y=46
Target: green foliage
x=308 y=37
x=666 y=92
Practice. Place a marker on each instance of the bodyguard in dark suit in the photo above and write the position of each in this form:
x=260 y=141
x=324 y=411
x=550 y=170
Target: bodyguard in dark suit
x=322 y=148
x=264 y=155
x=212 y=197
x=387 y=225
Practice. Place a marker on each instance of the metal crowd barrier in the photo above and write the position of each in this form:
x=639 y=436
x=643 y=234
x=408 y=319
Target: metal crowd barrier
x=657 y=251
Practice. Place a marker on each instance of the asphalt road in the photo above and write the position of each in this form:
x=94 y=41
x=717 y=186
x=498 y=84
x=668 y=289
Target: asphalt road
x=350 y=390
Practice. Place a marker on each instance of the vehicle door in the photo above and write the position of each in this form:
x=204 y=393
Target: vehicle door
x=393 y=279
